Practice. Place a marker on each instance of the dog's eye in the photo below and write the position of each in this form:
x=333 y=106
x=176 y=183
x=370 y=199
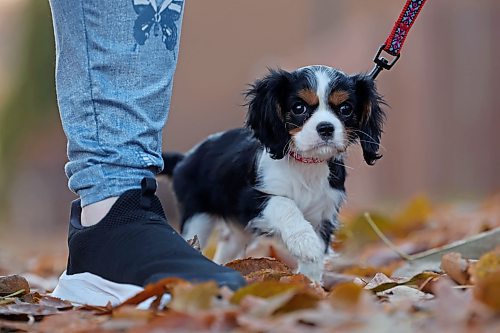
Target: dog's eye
x=298 y=108
x=345 y=109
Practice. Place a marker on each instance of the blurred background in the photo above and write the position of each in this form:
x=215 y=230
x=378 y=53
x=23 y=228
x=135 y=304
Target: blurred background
x=441 y=138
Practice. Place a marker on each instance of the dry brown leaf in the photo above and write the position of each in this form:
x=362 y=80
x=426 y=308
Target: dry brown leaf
x=156 y=289
x=173 y=321
x=27 y=309
x=456 y=267
x=36 y=298
x=251 y=265
x=195 y=243
x=131 y=312
x=13 y=283
x=71 y=322
x=381 y=282
x=265 y=275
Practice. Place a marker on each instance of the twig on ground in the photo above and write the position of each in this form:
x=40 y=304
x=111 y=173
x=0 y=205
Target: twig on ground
x=386 y=240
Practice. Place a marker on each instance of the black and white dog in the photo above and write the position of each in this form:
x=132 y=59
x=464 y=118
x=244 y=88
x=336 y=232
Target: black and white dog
x=282 y=175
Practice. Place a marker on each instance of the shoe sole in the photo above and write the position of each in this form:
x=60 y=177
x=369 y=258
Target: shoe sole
x=91 y=289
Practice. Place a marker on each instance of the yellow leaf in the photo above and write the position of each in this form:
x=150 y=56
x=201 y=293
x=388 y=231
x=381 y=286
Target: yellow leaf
x=346 y=295
x=486 y=276
x=264 y=289
x=193 y=298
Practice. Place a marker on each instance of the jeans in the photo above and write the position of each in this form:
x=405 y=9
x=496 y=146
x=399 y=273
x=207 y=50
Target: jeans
x=115 y=63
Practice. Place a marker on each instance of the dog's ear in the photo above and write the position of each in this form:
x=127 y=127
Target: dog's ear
x=370 y=115
x=266 y=116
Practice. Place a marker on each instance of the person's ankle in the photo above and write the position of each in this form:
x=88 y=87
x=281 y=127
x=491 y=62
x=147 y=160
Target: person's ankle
x=95 y=212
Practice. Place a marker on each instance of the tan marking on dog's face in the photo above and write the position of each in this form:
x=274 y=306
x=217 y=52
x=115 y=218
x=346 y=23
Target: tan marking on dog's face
x=338 y=97
x=309 y=96
x=294 y=131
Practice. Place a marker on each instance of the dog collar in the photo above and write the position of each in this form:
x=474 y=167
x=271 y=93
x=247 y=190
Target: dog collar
x=302 y=159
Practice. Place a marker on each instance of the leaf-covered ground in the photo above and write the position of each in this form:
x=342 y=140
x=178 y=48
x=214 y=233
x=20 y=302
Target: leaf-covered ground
x=425 y=268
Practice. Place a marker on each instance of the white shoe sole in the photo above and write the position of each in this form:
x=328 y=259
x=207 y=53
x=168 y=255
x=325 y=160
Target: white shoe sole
x=91 y=289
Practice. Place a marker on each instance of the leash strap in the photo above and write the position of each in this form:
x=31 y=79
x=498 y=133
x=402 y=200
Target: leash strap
x=396 y=39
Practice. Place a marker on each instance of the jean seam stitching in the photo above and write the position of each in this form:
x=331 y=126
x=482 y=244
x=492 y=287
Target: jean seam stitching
x=90 y=75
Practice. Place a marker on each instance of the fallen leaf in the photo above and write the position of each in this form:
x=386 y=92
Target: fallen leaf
x=251 y=265
x=452 y=307
x=27 y=309
x=36 y=298
x=486 y=277
x=302 y=299
x=456 y=267
x=71 y=322
x=174 y=321
x=156 y=289
x=260 y=308
x=346 y=295
x=13 y=283
x=266 y=275
x=366 y=271
x=195 y=243
x=193 y=298
x=131 y=312
x=265 y=289
x=381 y=282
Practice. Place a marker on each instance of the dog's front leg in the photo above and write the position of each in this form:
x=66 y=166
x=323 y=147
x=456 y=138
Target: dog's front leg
x=282 y=217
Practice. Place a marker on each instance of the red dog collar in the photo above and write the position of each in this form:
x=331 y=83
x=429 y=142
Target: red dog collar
x=302 y=159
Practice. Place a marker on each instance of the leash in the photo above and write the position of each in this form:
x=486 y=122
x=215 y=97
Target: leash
x=396 y=39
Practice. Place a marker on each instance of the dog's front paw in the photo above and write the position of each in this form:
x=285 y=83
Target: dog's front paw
x=306 y=246
x=313 y=270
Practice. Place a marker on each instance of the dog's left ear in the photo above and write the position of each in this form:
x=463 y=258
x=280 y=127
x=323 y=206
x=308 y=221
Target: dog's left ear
x=370 y=115
x=266 y=114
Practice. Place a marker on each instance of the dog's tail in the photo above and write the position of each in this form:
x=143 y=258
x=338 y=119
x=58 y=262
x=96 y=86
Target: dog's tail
x=170 y=161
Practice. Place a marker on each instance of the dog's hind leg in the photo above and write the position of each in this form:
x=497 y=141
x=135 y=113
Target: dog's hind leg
x=201 y=225
x=232 y=243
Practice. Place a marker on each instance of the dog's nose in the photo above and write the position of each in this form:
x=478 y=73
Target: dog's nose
x=325 y=130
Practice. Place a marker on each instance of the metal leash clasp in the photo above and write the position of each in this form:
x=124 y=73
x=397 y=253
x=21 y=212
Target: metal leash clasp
x=382 y=63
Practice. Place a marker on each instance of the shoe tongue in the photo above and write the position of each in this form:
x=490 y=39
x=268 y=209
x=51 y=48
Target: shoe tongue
x=148 y=190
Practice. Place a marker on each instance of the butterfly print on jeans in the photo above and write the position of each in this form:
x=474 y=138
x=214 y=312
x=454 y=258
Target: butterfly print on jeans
x=152 y=19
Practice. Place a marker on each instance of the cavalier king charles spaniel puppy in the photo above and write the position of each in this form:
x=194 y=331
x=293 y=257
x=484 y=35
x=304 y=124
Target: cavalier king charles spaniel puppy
x=283 y=174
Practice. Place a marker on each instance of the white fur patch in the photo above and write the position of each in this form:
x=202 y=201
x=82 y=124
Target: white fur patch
x=306 y=184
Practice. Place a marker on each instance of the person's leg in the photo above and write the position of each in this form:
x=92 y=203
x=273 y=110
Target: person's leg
x=113 y=92
x=115 y=62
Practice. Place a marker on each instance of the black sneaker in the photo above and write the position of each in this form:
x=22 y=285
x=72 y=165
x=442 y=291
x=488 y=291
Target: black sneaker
x=132 y=246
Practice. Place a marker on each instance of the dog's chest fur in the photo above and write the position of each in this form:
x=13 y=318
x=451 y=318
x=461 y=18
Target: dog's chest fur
x=306 y=184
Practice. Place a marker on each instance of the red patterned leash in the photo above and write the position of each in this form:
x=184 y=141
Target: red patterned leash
x=396 y=39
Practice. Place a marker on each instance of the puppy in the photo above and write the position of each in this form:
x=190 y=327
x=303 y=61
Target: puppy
x=283 y=174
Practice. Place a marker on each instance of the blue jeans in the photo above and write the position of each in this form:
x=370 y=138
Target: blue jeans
x=115 y=63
